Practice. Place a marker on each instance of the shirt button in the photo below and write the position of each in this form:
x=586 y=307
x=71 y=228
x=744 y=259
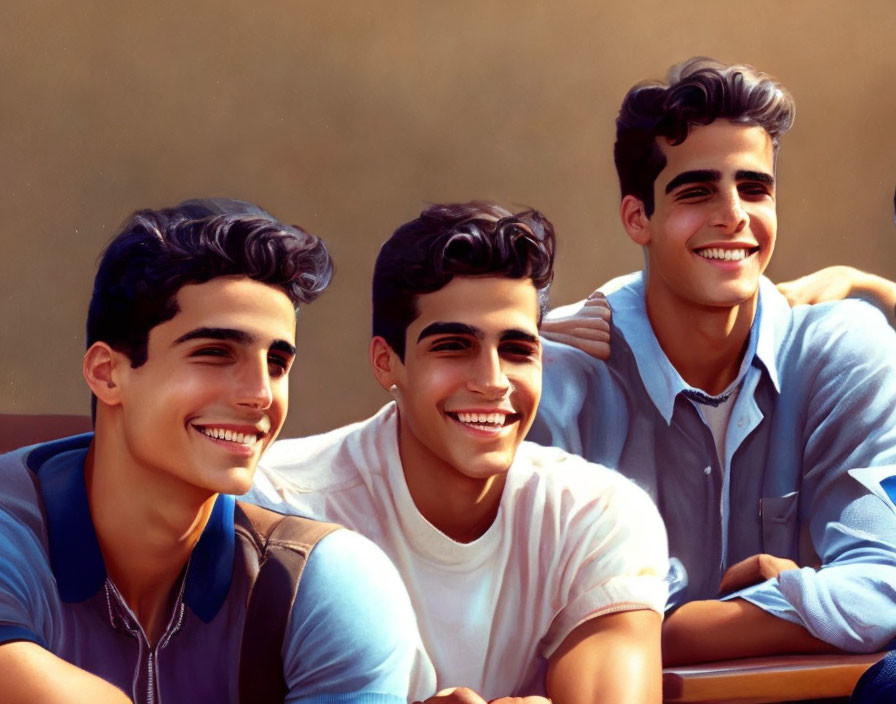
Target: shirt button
x=707 y=470
x=740 y=423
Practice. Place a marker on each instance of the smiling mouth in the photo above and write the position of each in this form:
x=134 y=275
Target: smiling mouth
x=725 y=254
x=244 y=439
x=484 y=421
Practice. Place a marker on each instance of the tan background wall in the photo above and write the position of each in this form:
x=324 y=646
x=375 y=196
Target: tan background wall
x=348 y=117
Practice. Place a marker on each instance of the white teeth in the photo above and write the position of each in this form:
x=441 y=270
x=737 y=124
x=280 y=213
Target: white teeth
x=482 y=418
x=724 y=254
x=223 y=434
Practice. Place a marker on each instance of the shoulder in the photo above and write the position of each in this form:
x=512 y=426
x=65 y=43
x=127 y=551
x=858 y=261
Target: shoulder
x=352 y=626
x=579 y=487
x=28 y=596
x=825 y=331
x=20 y=497
x=332 y=459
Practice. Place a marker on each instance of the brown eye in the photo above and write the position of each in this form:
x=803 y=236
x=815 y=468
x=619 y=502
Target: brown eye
x=278 y=366
x=450 y=344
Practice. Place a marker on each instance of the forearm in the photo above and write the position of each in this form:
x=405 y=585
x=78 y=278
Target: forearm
x=28 y=674
x=702 y=631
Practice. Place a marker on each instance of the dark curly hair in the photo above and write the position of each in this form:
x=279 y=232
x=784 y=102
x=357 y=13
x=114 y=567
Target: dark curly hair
x=697 y=92
x=157 y=252
x=461 y=239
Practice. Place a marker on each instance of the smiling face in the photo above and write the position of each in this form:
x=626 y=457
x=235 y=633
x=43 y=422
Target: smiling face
x=470 y=382
x=212 y=394
x=713 y=230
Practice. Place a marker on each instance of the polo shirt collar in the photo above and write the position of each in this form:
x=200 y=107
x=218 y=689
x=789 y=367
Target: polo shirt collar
x=75 y=555
x=661 y=380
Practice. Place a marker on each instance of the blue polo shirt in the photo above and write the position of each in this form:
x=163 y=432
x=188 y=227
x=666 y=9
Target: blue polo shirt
x=351 y=635
x=810 y=455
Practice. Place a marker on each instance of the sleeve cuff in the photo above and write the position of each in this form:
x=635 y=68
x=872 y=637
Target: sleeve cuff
x=10 y=633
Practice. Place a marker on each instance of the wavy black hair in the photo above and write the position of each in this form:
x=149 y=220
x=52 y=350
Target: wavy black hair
x=460 y=239
x=157 y=252
x=697 y=92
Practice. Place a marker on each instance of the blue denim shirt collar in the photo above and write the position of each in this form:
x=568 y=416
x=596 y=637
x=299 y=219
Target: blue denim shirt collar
x=75 y=554
x=661 y=379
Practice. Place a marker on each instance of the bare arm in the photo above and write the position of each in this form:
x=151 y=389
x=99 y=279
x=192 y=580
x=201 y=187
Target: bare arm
x=835 y=283
x=29 y=674
x=613 y=658
x=701 y=631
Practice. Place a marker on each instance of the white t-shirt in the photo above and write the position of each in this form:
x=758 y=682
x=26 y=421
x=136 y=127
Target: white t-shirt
x=571 y=541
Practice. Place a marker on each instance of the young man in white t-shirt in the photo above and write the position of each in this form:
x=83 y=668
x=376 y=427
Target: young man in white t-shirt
x=531 y=571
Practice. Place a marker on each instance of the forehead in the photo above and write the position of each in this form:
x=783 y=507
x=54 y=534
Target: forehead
x=490 y=303
x=237 y=303
x=720 y=146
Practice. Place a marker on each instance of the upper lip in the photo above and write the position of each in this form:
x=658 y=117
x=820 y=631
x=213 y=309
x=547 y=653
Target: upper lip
x=503 y=411
x=727 y=245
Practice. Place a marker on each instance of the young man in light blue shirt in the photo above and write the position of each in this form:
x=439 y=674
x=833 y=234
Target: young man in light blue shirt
x=762 y=432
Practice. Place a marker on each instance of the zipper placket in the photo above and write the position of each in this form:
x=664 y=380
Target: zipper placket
x=152 y=654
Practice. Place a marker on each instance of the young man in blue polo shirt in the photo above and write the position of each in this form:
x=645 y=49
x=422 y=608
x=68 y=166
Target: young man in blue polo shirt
x=126 y=564
x=762 y=432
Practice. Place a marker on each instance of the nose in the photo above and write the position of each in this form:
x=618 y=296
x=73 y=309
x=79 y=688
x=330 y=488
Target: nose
x=730 y=215
x=253 y=384
x=488 y=376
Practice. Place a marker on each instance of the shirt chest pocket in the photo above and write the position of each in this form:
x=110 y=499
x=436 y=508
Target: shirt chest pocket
x=779 y=516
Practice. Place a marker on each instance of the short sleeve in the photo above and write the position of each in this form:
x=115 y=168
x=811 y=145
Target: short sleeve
x=617 y=555
x=29 y=604
x=353 y=636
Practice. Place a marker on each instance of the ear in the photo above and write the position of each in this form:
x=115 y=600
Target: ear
x=635 y=220
x=384 y=361
x=101 y=371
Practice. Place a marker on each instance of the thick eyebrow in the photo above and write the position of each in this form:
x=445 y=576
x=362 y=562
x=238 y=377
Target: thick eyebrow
x=518 y=336
x=240 y=337
x=696 y=176
x=758 y=176
x=440 y=328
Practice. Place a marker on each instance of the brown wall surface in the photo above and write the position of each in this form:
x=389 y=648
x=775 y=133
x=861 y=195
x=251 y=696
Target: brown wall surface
x=349 y=117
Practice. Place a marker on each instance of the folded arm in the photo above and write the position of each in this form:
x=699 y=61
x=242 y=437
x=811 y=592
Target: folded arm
x=702 y=631
x=844 y=591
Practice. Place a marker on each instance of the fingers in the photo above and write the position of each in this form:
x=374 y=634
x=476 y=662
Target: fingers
x=585 y=322
x=754 y=569
x=598 y=347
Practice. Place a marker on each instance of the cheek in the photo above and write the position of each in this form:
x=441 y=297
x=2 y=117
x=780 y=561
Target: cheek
x=432 y=383
x=528 y=385
x=682 y=224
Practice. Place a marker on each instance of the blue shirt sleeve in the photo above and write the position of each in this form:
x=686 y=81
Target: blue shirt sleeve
x=28 y=598
x=352 y=635
x=849 y=597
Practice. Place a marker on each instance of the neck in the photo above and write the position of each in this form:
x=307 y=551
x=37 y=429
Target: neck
x=461 y=507
x=705 y=344
x=146 y=527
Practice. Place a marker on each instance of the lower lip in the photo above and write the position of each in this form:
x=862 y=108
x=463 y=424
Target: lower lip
x=233 y=448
